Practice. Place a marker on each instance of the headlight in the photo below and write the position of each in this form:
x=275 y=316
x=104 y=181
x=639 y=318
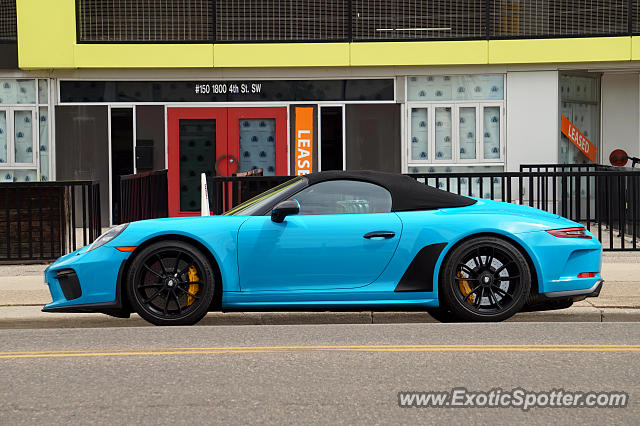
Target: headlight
x=107 y=236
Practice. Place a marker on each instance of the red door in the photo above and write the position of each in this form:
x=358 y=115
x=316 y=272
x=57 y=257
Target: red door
x=220 y=142
x=258 y=139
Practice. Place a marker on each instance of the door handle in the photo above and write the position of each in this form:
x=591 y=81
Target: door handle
x=380 y=234
x=231 y=160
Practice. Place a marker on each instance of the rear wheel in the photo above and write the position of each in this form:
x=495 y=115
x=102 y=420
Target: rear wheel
x=171 y=283
x=485 y=279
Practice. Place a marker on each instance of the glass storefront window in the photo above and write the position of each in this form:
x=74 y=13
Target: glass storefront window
x=43 y=91
x=419 y=134
x=491 y=135
x=43 y=120
x=462 y=118
x=467 y=131
x=455 y=88
x=17 y=92
x=444 y=134
x=197 y=141
x=3 y=137
x=21 y=128
x=23 y=136
x=258 y=145
x=580 y=103
x=452 y=184
x=24 y=175
x=18 y=175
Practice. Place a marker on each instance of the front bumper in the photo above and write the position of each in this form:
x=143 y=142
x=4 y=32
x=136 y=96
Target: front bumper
x=94 y=279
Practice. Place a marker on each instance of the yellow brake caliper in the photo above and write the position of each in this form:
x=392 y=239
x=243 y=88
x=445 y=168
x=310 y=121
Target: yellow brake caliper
x=465 y=289
x=193 y=288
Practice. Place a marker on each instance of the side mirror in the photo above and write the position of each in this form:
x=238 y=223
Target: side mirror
x=284 y=209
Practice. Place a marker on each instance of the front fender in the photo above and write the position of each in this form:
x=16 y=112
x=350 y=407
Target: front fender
x=218 y=234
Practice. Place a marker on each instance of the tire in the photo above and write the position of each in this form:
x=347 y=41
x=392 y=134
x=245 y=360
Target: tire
x=171 y=283
x=485 y=279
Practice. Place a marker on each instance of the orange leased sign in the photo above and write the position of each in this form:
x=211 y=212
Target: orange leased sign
x=578 y=139
x=304 y=141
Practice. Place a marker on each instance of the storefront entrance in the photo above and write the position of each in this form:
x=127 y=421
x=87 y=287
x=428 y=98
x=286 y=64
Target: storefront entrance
x=221 y=142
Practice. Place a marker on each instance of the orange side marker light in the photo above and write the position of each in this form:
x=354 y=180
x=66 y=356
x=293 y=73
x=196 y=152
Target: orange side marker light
x=127 y=249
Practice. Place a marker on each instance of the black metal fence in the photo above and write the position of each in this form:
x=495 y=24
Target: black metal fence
x=607 y=201
x=143 y=196
x=41 y=221
x=565 y=167
x=240 y=21
x=227 y=192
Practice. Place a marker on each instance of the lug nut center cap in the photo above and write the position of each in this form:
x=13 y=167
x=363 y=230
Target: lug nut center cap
x=486 y=279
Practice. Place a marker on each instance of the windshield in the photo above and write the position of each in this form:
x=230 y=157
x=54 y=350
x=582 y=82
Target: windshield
x=257 y=204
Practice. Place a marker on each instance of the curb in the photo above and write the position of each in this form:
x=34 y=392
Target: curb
x=21 y=317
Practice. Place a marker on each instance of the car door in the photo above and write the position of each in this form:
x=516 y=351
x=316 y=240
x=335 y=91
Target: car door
x=343 y=237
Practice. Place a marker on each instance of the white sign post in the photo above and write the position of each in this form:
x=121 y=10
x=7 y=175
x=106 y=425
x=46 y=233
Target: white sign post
x=204 y=196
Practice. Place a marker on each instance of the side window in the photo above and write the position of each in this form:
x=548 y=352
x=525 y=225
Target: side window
x=343 y=197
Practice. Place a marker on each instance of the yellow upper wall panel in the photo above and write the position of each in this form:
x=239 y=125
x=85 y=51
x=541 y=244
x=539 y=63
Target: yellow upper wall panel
x=47 y=40
x=561 y=50
x=143 y=55
x=635 y=48
x=419 y=53
x=46 y=33
x=282 y=55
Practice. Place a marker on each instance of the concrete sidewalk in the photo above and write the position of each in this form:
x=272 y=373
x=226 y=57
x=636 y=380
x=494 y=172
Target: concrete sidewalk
x=23 y=293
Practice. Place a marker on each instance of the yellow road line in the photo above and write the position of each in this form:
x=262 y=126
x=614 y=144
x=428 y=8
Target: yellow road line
x=484 y=346
x=356 y=348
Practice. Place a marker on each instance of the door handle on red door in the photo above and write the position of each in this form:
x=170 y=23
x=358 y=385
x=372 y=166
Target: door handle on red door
x=380 y=234
x=231 y=159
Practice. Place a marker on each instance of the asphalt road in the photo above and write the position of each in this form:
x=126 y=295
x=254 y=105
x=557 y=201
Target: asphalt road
x=309 y=373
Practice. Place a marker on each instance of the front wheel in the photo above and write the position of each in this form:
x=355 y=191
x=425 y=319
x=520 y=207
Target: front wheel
x=171 y=283
x=485 y=279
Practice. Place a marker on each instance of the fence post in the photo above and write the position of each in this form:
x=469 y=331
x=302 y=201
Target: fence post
x=578 y=179
x=622 y=211
x=520 y=186
x=633 y=179
x=563 y=195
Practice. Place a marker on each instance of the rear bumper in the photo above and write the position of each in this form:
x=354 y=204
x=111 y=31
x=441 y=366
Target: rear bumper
x=576 y=295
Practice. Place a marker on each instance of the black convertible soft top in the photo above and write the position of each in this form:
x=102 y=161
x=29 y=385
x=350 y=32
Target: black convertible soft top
x=407 y=194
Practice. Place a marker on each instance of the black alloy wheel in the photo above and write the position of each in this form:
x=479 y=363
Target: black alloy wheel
x=171 y=283
x=485 y=279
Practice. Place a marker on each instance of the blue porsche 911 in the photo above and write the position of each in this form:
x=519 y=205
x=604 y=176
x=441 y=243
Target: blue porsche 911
x=336 y=241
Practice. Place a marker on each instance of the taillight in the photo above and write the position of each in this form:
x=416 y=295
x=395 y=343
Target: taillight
x=570 y=233
x=586 y=274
